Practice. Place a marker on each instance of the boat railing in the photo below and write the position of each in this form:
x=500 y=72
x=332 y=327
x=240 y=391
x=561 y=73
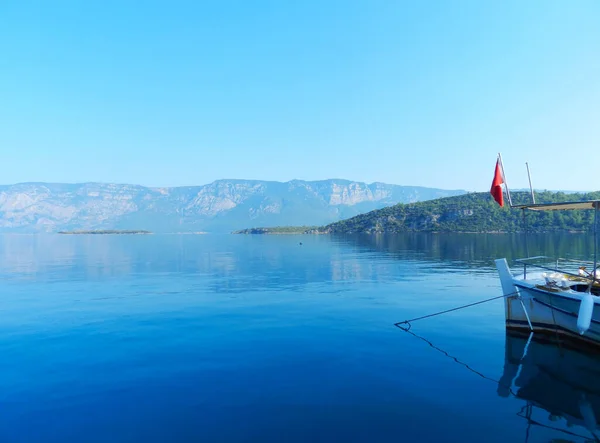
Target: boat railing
x=556 y=265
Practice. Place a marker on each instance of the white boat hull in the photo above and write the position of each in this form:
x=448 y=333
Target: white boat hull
x=531 y=305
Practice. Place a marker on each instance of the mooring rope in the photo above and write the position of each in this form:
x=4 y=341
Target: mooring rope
x=456 y=360
x=408 y=322
x=499 y=383
x=474 y=371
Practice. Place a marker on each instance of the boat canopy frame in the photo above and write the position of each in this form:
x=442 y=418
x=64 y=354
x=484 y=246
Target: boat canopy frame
x=561 y=206
x=566 y=206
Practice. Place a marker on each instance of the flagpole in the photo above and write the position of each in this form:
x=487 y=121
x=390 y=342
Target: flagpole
x=504 y=177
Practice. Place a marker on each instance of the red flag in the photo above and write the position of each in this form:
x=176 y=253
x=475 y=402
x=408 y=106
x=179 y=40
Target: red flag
x=496 y=189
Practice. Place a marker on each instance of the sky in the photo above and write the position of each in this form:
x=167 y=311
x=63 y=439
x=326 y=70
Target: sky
x=423 y=93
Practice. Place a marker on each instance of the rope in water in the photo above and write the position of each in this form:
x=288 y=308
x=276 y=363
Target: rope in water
x=456 y=360
x=408 y=322
x=493 y=380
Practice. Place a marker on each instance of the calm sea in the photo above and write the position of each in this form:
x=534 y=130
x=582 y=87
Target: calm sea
x=224 y=338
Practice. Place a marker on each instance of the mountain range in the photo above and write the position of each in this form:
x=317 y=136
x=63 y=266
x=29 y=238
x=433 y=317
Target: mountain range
x=221 y=206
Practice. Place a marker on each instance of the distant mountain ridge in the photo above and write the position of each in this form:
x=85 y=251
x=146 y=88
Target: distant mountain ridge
x=221 y=206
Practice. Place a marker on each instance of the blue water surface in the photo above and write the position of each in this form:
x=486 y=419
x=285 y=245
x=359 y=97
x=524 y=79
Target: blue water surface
x=231 y=338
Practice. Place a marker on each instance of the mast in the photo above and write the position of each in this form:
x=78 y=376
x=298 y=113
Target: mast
x=596 y=204
x=593 y=274
x=504 y=177
x=526 y=231
x=530 y=187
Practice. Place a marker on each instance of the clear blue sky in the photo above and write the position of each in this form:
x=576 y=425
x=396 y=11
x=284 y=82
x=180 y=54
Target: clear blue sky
x=408 y=92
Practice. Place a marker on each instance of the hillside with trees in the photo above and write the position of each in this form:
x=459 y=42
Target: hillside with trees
x=473 y=212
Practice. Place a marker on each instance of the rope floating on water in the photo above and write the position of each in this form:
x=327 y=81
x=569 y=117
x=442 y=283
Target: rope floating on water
x=509 y=389
x=408 y=322
x=498 y=382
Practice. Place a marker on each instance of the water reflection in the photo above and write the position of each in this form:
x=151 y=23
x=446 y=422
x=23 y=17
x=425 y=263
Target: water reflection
x=560 y=384
x=241 y=263
x=474 y=250
x=320 y=350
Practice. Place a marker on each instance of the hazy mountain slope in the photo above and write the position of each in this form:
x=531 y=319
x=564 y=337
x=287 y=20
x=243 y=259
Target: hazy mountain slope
x=220 y=206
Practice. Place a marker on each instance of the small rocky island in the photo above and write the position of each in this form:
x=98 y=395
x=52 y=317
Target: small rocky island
x=104 y=231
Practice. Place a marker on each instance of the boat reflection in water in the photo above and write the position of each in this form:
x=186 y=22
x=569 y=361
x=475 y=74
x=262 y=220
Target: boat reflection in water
x=560 y=378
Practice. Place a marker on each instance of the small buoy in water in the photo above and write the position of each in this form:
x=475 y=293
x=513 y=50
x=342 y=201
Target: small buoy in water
x=300 y=243
x=586 y=308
